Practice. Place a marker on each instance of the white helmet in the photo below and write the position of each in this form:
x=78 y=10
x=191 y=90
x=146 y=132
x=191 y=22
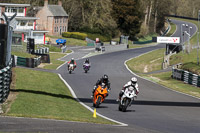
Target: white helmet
x=134 y=80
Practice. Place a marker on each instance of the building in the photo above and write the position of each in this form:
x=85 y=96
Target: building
x=52 y=18
x=26 y=26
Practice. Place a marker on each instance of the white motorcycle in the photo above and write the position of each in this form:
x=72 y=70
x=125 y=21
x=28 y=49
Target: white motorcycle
x=86 y=67
x=71 y=68
x=127 y=98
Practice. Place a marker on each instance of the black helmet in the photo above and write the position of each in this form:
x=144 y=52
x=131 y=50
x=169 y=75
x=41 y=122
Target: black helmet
x=105 y=78
x=87 y=60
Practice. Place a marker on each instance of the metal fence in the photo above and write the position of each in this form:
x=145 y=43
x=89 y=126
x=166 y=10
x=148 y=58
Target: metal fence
x=5 y=81
x=186 y=77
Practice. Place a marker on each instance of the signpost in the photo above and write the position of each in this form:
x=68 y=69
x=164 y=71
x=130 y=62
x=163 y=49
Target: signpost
x=168 y=40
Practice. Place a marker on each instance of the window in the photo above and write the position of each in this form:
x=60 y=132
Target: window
x=54 y=29
x=23 y=23
x=57 y=29
x=21 y=10
x=60 y=20
x=7 y=9
x=13 y=10
x=65 y=28
x=30 y=23
x=55 y=20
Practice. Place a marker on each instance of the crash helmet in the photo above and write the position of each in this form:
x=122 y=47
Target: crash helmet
x=105 y=78
x=134 y=80
x=72 y=60
x=87 y=60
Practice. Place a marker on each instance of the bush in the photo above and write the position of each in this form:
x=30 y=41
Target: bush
x=76 y=35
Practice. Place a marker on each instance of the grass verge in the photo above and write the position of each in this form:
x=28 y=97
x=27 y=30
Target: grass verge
x=138 y=65
x=172 y=30
x=44 y=95
x=54 y=61
x=166 y=80
x=70 y=41
x=148 y=62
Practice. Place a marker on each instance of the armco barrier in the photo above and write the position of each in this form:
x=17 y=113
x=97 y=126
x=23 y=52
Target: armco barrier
x=5 y=81
x=186 y=77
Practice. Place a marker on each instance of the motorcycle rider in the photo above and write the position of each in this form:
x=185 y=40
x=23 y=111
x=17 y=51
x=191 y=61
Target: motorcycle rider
x=86 y=62
x=132 y=83
x=103 y=80
x=72 y=61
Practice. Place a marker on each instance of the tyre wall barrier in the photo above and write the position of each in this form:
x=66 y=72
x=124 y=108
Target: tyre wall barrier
x=45 y=58
x=5 y=81
x=27 y=62
x=186 y=77
x=42 y=50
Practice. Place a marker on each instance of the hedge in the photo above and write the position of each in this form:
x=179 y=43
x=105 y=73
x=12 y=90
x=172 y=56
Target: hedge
x=76 y=35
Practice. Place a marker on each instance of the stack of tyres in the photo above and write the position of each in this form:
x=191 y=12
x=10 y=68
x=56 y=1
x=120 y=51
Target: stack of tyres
x=5 y=81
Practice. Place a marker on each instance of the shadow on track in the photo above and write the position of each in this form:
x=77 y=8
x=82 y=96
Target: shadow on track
x=43 y=93
x=153 y=103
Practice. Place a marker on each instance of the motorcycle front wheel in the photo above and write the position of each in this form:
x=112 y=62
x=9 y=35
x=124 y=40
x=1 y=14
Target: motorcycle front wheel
x=98 y=102
x=126 y=103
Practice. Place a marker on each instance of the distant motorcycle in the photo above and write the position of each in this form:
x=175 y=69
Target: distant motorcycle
x=99 y=95
x=71 y=68
x=86 y=67
x=127 y=98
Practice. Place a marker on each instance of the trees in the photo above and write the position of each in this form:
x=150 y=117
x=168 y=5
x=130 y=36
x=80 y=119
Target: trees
x=127 y=16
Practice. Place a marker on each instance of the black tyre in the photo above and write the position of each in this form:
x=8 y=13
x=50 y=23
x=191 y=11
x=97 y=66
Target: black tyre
x=70 y=71
x=124 y=107
x=98 y=102
x=120 y=107
x=85 y=71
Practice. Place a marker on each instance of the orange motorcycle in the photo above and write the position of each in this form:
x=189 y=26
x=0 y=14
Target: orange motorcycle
x=99 y=95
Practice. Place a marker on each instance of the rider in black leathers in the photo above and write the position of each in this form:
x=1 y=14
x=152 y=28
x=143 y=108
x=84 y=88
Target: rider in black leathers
x=104 y=80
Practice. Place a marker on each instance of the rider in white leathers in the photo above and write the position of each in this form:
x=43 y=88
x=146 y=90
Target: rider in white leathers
x=132 y=83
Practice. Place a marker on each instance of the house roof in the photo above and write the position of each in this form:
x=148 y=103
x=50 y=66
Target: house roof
x=57 y=10
x=14 y=5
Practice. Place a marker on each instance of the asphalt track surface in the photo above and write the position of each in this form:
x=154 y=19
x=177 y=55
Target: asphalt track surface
x=157 y=109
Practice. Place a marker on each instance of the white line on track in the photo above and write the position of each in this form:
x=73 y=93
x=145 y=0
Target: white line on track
x=87 y=107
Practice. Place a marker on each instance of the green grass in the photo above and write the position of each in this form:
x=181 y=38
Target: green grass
x=147 y=37
x=54 y=61
x=71 y=41
x=44 y=95
x=148 y=62
x=51 y=47
x=189 y=61
x=23 y=54
x=172 y=30
x=166 y=80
